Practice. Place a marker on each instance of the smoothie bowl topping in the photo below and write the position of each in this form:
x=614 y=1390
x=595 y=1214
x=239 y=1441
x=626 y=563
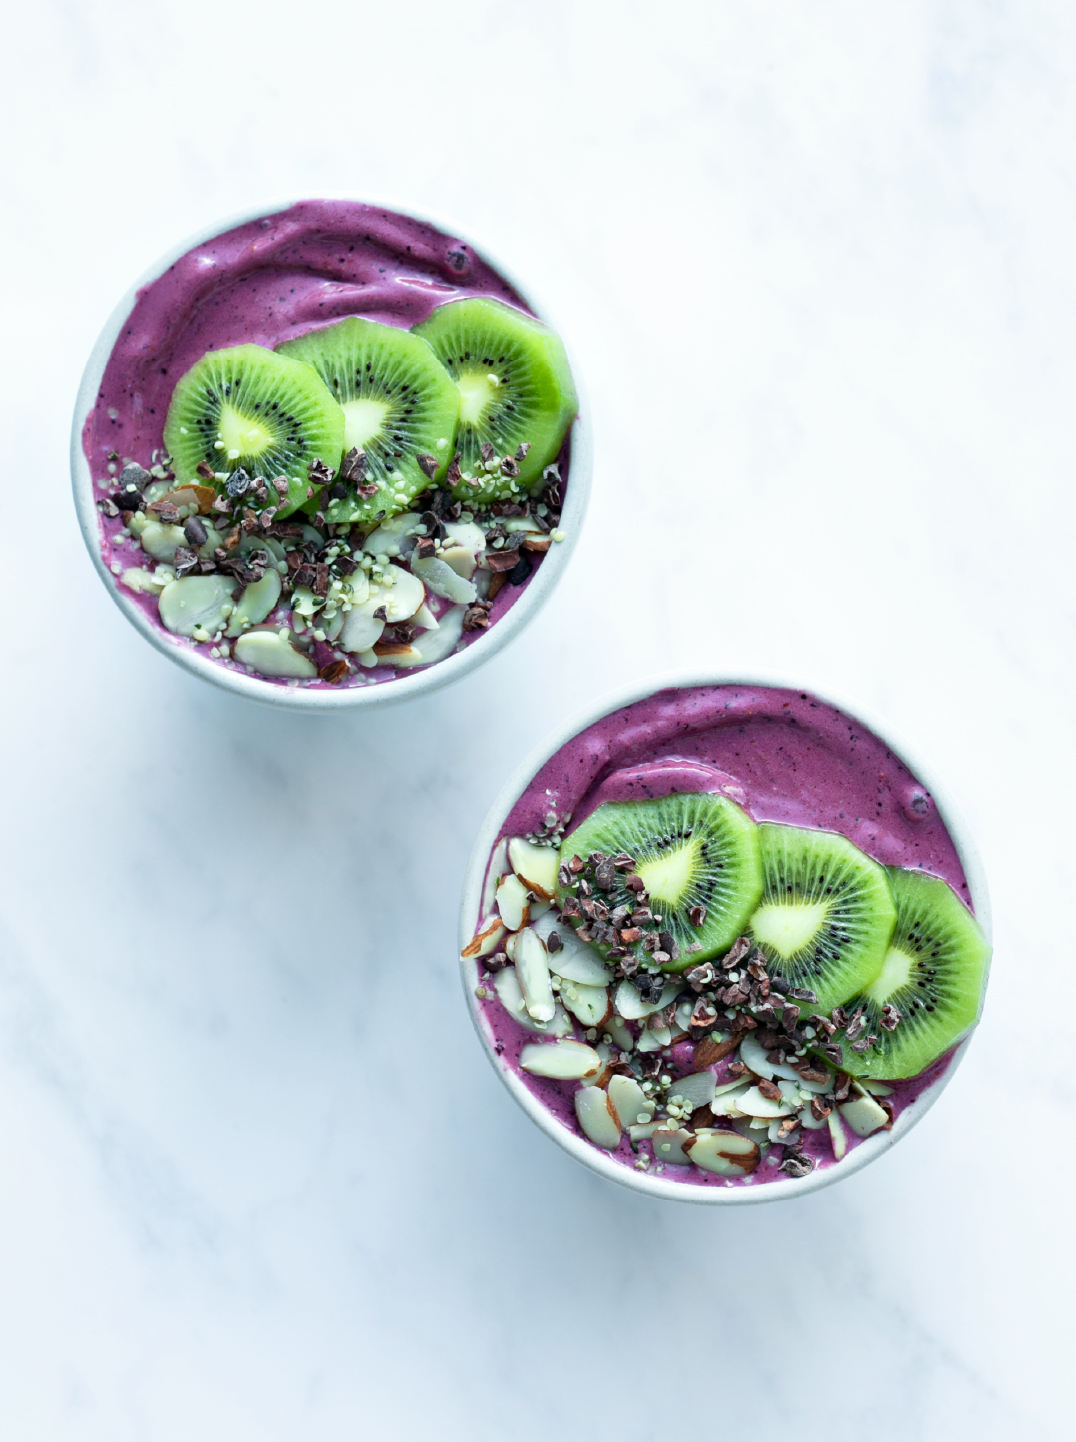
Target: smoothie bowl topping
x=715 y=998
x=329 y=504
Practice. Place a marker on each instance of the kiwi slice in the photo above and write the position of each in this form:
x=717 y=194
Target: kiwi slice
x=826 y=913
x=400 y=409
x=248 y=408
x=516 y=391
x=697 y=854
x=932 y=976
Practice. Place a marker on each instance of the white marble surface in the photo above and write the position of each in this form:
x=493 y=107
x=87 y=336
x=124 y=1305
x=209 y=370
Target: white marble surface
x=257 y=1181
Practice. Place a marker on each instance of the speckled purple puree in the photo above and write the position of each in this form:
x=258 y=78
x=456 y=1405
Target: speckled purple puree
x=265 y=282
x=794 y=759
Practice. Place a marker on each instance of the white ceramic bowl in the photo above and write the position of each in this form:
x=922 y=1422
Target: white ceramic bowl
x=296 y=698
x=574 y=1144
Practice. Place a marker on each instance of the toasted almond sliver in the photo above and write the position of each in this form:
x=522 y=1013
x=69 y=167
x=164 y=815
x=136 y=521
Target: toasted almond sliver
x=630 y=1100
x=506 y=985
x=536 y=866
x=512 y=902
x=575 y=959
x=484 y=942
x=533 y=973
x=726 y=1153
x=598 y=1117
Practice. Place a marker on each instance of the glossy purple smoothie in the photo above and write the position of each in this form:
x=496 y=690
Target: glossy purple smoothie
x=795 y=759
x=270 y=280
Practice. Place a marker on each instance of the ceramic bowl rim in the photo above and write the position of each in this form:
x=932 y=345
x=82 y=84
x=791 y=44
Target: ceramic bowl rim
x=576 y=1146
x=294 y=698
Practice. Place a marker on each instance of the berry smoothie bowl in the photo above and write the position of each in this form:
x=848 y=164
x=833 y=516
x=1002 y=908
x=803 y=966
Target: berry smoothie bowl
x=329 y=455
x=723 y=939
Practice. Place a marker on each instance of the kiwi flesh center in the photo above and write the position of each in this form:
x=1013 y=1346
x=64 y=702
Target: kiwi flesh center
x=364 y=418
x=667 y=877
x=242 y=435
x=789 y=926
x=896 y=972
x=478 y=391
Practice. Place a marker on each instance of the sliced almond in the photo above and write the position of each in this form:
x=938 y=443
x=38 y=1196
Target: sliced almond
x=631 y=1006
x=256 y=602
x=669 y=1144
x=513 y=902
x=461 y=560
x=509 y=994
x=590 y=1004
x=727 y=1102
x=753 y=1104
x=423 y=617
x=875 y=1088
x=643 y=1131
x=726 y=1153
x=617 y=1028
x=498 y=864
x=271 y=654
x=510 y=941
x=160 y=541
x=485 y=942
x=630 y=1100
x=565 y=1060
x=864 y=1115
x=443 y=580
x=836 y=1135
x=433 y=646
x=532 y=972
x=195 y=601
x=400 y=593
x=598 y=1117
x=466 y=535
x=536 y=866
x=392 y=536
x=574 y=958
x=537 y=544
x=654 y=1039
x=697 y=1090
x=361 y=630
x=753 y=1055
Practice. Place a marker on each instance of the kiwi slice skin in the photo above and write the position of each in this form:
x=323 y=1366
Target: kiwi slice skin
x=278 y=412
x=826 y=913
x=399 y=402
x=934 y=973
x=515 y=386
x=691 y=849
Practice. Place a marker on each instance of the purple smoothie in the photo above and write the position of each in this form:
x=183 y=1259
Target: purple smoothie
x=270 y=280
x=786 y=757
